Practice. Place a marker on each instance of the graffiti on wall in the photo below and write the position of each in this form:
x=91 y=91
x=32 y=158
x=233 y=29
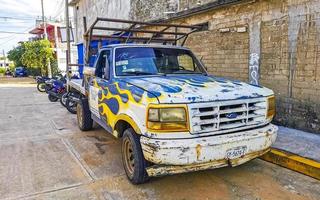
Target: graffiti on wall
x=254 y=68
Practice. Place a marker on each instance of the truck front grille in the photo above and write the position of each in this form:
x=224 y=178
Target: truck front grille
x=227 y=115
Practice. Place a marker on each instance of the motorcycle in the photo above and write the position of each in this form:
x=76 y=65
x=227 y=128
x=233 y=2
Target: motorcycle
x=70 y=100
x=41 y=83
x=56 y=91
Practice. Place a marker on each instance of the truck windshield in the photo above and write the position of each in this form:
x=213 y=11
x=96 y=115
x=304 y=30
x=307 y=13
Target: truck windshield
x=152 y=61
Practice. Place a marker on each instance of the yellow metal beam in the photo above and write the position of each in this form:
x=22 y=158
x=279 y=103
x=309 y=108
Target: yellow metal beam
x=293 y=162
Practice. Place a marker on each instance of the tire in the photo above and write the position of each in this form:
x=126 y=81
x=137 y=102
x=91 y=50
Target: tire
x=84 y=115
x=71 y=106
x=52 y=98
x=63 y=99
x=41 y=87
x=132 y=158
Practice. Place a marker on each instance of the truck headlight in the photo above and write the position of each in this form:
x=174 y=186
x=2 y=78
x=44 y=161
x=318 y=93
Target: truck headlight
x=271 y=107
x=161 y=118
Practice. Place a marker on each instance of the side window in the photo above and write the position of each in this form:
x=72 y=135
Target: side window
x=102 y=66
x=186 y=62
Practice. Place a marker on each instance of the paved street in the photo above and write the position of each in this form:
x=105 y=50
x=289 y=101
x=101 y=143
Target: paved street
x=43 y=155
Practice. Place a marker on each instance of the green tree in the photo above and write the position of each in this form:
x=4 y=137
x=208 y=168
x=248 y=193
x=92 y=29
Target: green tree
x=37 y=54
x=15 y=55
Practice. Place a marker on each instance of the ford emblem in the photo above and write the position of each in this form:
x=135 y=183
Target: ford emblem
x=232 y=115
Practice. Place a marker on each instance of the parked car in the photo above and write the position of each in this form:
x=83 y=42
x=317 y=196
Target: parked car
x=20 y=72
x=171 y=115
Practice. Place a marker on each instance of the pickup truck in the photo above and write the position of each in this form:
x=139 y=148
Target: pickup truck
x=171 y=115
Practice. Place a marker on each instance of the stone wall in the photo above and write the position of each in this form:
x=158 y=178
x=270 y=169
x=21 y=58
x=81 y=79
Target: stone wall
x=187 y=4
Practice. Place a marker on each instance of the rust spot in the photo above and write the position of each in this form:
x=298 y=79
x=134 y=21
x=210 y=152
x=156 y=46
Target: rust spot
x=198 y=151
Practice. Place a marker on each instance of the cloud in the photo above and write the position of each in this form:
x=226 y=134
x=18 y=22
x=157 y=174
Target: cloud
x=28 y=11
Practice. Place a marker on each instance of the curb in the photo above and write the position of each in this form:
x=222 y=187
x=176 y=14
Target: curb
x=294 y=162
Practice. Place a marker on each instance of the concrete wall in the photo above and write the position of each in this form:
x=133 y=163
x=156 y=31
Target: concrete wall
x=144 y=10
x=92 y=9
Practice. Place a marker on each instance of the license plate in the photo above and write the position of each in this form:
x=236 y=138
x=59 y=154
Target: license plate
x=236 y=152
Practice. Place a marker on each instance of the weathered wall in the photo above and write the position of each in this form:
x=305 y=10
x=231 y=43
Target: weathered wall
x=187 y=4
x=147 y=10
x=279 y=49
x=92 y=9
x=144 y=10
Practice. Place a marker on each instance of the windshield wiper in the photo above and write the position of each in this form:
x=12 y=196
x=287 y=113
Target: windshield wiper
x=185 y=72
x=137 y=73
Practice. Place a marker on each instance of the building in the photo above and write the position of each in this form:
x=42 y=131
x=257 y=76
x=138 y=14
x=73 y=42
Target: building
x=274 y=43
x=57 y=36
x=5 y=62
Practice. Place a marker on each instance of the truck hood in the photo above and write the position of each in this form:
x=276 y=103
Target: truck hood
x=196 y=88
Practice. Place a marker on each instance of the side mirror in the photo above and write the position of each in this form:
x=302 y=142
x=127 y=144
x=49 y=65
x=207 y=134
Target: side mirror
x=89 y=71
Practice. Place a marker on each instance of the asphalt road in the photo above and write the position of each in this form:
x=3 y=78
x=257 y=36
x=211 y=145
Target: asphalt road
x=43 y=155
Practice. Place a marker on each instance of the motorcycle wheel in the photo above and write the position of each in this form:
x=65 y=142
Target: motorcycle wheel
x=63 y=99
x=52 y=98
x=41 y=87
x=71 y=106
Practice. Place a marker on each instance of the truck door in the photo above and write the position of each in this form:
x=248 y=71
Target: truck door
x=102 y=75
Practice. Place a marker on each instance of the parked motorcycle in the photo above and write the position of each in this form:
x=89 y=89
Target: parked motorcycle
x=58 y=89
x=41 y=83
x=44 y=83
x=70 y=99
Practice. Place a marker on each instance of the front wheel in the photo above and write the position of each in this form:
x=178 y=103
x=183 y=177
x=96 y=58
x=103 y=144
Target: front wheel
x=41 y=87
x=132 y=158
x=84 y=115
x=52 y=98
x=63 y=99
x=71 y=106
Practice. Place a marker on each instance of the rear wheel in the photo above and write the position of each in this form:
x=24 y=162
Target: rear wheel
x=132 y=157
x=84 y=115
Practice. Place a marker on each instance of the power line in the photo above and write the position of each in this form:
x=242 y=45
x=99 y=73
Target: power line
x=16 y=18
x=12 y=32
x=12 y=37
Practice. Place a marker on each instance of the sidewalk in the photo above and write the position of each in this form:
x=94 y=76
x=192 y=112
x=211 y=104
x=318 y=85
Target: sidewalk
x=296 y=150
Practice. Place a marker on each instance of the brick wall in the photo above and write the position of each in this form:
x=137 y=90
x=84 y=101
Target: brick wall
x=285 y=37
x=224 y=54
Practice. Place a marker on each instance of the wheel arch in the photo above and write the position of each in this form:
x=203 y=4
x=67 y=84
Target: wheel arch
x=122 y=123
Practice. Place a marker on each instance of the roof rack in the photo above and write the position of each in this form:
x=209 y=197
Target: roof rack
x=137 y=31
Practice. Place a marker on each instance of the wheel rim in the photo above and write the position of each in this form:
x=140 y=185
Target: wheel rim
x=42 y=86
x=79 y=115
x=128 y=156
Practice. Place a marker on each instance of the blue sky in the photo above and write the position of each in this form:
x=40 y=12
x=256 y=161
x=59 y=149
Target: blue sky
x=20 y=15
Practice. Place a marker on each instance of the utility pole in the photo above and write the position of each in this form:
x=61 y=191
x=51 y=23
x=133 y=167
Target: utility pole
x=4 y=59
x=46 y=37
x=68 y=36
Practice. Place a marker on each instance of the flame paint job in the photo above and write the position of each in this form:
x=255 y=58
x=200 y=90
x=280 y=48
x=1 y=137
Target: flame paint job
x=131 y=95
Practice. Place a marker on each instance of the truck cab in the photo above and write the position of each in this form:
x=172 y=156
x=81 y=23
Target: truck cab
x=171 y=115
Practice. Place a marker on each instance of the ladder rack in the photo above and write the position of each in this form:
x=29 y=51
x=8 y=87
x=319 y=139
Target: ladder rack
x=137 y=31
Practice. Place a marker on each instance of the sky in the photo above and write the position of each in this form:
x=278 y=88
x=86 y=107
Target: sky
x=19 y=16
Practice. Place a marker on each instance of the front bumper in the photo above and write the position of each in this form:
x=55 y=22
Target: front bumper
x=182 y=155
